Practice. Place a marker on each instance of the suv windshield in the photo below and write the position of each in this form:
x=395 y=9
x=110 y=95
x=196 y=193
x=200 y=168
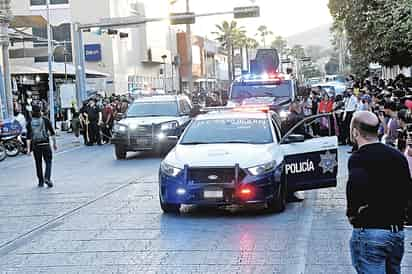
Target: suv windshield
x=250 y=131
x=147 y=109
x=243 y=91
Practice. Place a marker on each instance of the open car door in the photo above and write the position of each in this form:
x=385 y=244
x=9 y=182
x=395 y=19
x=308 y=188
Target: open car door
x=311 y=153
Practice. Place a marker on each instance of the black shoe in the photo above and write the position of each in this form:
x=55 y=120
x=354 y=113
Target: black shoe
x=41 y=184
x=49 y=183
x=292 y=198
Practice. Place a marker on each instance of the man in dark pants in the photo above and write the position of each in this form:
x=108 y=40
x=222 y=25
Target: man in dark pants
x=38 y=131
x=378 y=190
x=351 y=103
x=94 y=115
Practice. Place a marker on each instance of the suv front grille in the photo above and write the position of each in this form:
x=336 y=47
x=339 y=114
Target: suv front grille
x=142 y=131
x=214 y=175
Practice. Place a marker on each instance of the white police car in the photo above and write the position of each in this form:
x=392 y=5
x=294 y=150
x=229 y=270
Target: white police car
x=239 y=156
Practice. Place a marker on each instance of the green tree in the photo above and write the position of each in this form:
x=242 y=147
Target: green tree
x=297 y=52
x=279 y=44
x=264 y=32
x=225 y=35
x=377 y=31
x=315 y=52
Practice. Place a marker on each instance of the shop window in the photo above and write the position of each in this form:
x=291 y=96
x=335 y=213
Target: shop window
x=61 y=33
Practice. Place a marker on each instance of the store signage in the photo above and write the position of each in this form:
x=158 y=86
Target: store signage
x=93 y=52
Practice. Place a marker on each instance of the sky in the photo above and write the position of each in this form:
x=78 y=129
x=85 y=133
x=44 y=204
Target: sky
x=283 y=17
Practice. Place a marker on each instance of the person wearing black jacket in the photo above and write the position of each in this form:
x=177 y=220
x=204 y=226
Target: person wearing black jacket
x=378 y=190
x=38 y=131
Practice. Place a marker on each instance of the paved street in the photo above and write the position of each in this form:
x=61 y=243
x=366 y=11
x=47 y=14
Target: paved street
x=103 y=217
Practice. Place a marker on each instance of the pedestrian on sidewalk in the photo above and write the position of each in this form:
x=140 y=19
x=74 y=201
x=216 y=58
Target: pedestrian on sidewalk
x=376 y=201
x=38 y=131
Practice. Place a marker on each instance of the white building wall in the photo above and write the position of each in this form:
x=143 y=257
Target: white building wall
x=122 y=59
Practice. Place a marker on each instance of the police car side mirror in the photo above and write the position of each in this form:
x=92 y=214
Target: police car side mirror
x=294 y=138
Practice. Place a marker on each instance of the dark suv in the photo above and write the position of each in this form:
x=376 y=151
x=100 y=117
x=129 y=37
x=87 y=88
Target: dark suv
x=148 y=123
x=273 y=91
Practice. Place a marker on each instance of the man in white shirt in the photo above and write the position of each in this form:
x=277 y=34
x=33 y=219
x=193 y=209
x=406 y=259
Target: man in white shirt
x=351 y=104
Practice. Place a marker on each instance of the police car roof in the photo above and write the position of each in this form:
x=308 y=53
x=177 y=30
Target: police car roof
x=157 y=98
x=232 y=114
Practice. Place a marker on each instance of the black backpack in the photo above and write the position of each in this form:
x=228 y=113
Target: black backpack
x=39 y=131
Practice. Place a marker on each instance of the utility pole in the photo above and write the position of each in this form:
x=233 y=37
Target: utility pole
x=189 y=52
x=6 y=97
x=50 y=61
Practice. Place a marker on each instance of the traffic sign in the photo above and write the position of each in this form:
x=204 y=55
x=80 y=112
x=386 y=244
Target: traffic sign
x=246 y=12
x=183 y=18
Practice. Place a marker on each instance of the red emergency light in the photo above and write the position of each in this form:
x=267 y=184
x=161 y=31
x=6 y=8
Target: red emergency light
x=245 y=192
x=252 y=108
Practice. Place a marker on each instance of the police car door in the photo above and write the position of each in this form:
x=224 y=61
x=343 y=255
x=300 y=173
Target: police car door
x=311 y=154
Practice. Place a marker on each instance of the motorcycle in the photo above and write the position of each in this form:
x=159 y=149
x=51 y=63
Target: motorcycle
x=10 y=130
x=3 y=152
x=12 y=145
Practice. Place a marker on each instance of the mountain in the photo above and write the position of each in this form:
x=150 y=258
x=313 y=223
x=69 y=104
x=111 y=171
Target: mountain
x=319 y=36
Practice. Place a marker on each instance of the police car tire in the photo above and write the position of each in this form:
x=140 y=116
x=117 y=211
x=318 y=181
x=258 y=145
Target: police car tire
x=278 y=203
x=120 y=152
x=170 y=208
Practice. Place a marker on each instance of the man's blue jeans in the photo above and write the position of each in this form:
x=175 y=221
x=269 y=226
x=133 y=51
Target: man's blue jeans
x=377 y=251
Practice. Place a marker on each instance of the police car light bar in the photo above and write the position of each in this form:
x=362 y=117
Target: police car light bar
x=252 y=108
x=265 y=77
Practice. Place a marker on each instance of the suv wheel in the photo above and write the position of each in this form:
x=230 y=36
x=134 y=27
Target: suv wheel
x=120 y=152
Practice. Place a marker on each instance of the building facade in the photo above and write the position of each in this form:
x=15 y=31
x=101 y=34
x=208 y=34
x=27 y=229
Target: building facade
x=209 y=63
x=130 y=58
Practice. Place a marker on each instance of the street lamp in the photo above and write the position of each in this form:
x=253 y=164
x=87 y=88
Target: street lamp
x=164 y=71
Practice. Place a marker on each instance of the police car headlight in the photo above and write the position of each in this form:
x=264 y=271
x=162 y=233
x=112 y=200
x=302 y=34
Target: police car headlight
x=169 y=170
x=169 y=125
x=119 y=128
x=262 y=169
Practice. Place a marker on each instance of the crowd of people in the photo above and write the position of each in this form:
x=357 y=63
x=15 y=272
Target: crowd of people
x=390 y=100
x=95 y=119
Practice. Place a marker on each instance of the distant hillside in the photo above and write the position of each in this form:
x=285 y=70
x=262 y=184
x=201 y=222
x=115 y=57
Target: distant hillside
x=313 y=37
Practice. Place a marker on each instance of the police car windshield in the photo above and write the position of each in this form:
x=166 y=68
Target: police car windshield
x=242 y=91
x=151 y=109
x=222 y=131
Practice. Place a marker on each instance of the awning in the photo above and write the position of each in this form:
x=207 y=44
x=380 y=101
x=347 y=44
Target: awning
x=24 y=21
x=58 y=69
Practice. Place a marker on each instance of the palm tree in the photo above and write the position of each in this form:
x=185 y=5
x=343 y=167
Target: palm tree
x=263 y=32
x=279 y=44
x=251 y=43
x=240 y=40
x=225 y=36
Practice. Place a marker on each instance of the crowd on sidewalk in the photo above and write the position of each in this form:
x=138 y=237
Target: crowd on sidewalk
x=95 y=119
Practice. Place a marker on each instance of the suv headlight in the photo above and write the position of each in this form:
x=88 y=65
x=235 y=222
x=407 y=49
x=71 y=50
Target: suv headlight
x=262 y=169
x=119 y=128
x=169 y=170
x=169 y=125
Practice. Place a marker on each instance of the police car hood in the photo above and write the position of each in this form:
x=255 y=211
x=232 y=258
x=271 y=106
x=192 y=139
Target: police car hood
x=215 y=155
x=147 y=120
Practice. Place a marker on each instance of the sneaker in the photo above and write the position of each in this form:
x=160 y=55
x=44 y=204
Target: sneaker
x=49 y=183
x=41 y=184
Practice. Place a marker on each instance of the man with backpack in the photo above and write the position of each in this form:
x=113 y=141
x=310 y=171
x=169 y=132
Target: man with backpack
x=38 y=131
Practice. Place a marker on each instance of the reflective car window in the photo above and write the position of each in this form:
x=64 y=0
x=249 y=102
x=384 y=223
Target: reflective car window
x=150 y=109
x=251 y=131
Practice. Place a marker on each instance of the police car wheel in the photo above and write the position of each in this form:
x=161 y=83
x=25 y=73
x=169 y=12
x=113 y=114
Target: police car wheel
x=120 y=152
x=170 y=208
x=278 y=202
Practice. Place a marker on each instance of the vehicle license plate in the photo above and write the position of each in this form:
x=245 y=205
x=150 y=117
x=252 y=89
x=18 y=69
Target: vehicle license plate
x=213 y=194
